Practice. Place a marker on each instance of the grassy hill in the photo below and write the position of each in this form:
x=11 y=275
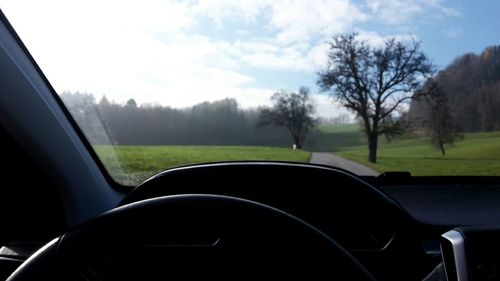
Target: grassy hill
x=477 y=155
x=335 y=138
x=341 y=128
x=132 y=164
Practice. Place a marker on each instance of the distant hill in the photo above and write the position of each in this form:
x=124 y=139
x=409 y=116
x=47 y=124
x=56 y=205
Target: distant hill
x=472 y=84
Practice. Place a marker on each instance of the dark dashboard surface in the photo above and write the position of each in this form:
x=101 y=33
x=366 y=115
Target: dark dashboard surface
x=334 y=200
x=449 y=205
x=359 y=216
x=392 y=225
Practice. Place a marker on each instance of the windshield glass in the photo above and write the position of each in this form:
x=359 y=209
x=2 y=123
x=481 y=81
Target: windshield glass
x=366 y=85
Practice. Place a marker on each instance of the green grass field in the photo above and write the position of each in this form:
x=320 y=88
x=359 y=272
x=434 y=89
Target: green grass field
x=478 y=154
x=341 y=128
x=140 y=162
x=335 y=138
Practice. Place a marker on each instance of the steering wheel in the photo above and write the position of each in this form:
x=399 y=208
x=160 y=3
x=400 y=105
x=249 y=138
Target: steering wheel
x=185 y=237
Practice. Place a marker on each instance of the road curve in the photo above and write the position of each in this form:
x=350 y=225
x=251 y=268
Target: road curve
x=325 y=158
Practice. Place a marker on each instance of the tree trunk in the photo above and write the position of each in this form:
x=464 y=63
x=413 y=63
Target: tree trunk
x=441 y=146
x=372 y=148
x=297 y=141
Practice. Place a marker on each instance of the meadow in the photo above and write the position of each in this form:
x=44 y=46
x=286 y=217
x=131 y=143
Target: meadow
x=478 y=154
x=130 y=165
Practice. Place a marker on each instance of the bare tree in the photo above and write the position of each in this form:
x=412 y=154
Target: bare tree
x=292 y=111
x=441 y=125
x=374 y=82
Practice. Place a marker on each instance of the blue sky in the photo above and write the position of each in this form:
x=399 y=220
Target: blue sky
x=178 y=53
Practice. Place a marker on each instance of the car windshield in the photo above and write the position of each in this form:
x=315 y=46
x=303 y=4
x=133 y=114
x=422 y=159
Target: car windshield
x=366 y=85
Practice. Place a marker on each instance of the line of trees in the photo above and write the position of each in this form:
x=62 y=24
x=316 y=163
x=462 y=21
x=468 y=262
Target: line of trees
x=208 y=123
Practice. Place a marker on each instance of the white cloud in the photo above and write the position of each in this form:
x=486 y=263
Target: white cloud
x=124 y=49
x=218 y=10
x=294 y=20
x=318 y=56
x=264 y=55
x=116 y=51
x=454 y=32
x=375 y=39
x=299 y=20
x=328 y=107
x=154 y=53
x=396 y=12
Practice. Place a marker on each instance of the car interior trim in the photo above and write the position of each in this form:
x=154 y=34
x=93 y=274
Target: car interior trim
x=457 y=242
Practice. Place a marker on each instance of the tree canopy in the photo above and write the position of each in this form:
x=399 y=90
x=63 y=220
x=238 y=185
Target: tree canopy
x=374 y=81
x=290 y=110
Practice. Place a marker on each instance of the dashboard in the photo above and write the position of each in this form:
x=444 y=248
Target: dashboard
x=359 y=216
x=394 y=230
x=362 y=218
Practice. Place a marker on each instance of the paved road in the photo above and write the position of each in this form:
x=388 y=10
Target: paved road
x=329 y=159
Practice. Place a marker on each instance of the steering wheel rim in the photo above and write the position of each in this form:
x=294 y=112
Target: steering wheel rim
x=228 y=226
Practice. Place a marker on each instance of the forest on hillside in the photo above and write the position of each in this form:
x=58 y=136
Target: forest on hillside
x=220 y=122
x=471 y=84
